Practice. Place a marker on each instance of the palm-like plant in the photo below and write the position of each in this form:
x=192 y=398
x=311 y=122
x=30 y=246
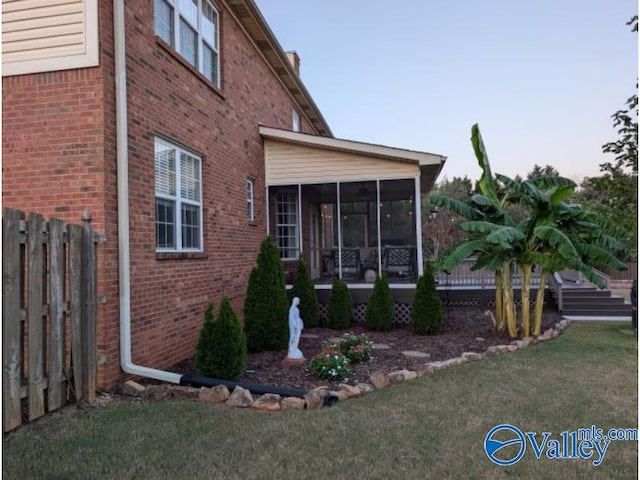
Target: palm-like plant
x=553 y=236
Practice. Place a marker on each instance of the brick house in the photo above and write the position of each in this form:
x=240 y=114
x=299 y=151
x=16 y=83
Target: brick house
x=176 y=123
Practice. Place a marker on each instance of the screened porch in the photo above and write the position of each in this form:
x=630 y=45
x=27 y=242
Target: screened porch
x=351 y=210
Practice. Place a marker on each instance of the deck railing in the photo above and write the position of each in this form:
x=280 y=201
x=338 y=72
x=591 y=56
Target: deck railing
x=463 y=276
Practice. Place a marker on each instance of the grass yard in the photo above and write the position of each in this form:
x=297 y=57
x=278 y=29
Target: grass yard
x=432 y=427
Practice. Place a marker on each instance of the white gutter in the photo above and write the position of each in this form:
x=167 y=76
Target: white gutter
x=122 y=147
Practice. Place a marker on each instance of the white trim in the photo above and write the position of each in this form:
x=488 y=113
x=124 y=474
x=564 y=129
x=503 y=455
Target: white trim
x=378 y=205
x=251 y=202
x=363 y=286
x=300 y=247
x=350 y=146
x=339 y=230
x=418 y=212
x=267 y=210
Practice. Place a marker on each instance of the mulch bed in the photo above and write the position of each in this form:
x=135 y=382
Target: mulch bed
x=464 y=330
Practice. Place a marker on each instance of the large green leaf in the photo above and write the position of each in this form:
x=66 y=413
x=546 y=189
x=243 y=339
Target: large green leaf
x=558 y=240
x=478 y=226
x=482 y=200
x=547 y=261
x=599 y=256
x=560 y=194
x=458 y=253
x=505 y=236
x=456 y=206
x=547 y=182
x=486 y=182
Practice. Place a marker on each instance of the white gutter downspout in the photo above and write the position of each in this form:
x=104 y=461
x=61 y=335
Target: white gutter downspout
x=122 y=147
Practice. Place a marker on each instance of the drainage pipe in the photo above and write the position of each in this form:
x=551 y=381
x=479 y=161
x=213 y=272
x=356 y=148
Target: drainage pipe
x=124 y=285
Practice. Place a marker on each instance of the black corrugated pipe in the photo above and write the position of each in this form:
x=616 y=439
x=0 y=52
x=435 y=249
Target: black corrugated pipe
x=196 y=380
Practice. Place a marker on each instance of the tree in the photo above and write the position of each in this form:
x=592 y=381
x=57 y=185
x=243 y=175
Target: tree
x=266 y=307
x=304 y=289
x=538 y=171
x=380 y=306
x=426 y=308
x=221 y=351
x=440 y=229
x=340 y=305
x=554 y=235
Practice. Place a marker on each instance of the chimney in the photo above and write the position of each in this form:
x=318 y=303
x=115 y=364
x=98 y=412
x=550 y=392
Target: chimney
x=294 y=59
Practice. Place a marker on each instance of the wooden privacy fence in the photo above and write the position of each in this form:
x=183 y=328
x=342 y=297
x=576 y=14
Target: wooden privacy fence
x=48 y=314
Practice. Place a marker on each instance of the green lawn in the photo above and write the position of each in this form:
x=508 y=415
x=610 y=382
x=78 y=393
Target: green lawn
x=432 y=427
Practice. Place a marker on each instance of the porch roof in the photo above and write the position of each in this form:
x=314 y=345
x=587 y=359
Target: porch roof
x=300 y=158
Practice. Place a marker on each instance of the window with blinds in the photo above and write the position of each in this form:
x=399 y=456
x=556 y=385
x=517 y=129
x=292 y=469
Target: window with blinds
x=191 y=27
x=178 y=198
x=287 y=224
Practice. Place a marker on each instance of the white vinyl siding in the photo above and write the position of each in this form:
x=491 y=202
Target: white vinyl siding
x=288 y=164
x=178 y=187
x=191 y=27
x=48 y=35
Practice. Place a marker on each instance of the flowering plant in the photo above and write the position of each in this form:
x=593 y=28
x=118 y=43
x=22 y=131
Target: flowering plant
x=330 y=364
x=357 y=348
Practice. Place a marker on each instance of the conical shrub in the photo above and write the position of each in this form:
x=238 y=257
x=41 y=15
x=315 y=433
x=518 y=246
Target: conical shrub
x=340 y=305
x=380 y=307
x=266 y=307
x=221 y=351
x=426 y=308
x=304 y=289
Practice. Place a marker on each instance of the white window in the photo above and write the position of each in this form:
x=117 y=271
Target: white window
x=295 y=121
x=178 y=198
x=191 y=27
x=287 y=224
x=250 y=214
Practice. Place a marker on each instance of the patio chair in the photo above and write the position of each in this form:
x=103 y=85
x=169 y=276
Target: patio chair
x=398 y=262
x=351 y=264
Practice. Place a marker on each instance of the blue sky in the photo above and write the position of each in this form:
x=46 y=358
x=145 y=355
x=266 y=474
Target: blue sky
x=541 y=78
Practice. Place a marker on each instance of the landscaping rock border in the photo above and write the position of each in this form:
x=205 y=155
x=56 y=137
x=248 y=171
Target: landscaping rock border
x=242 y=398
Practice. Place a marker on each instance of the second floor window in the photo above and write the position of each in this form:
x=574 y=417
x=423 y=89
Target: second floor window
x=295 y=121
x=191 y=27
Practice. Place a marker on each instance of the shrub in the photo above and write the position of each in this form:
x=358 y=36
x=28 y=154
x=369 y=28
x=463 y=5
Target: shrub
x=330 y=364
x=304 y=289
x=222 y=349
x=380 y=307
x=426 y=308
x=357 y=348
x=340 y=305
x=266 y=306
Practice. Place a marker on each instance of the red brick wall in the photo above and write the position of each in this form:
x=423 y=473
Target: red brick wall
x=59 y=158
x=168 y=98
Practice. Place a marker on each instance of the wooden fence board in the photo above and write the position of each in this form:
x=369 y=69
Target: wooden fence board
x=11 y=325
x=55 y=373
x=75 y=304
x=89 y=309
x=34 y=316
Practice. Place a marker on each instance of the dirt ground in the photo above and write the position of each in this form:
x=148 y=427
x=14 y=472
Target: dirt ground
x=464 y=330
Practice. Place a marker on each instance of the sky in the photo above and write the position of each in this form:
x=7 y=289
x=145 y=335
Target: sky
x=542 y=78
